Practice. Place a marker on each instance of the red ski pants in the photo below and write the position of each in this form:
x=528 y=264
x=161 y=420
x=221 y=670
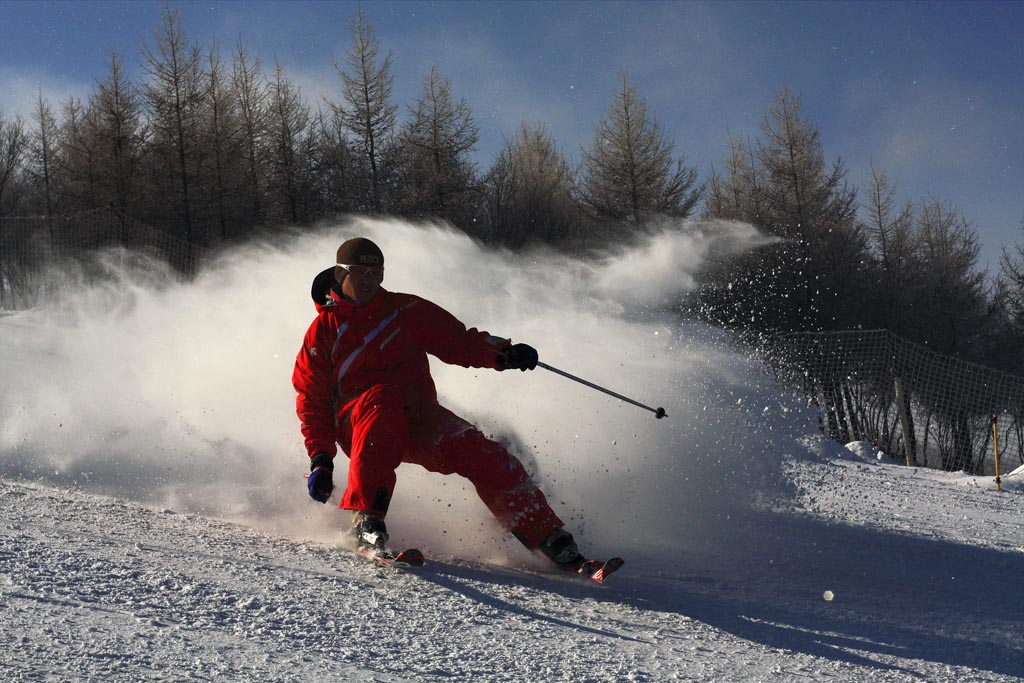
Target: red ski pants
x=379 y=434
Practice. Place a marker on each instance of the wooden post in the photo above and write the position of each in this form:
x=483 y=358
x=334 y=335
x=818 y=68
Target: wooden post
x=901 y=407
x=995 y=449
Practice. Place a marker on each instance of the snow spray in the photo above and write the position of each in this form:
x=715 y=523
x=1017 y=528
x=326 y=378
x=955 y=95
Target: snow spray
x=178 y=394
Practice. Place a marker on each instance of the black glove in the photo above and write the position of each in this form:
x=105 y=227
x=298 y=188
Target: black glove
x=518 y=357
x=321 y=477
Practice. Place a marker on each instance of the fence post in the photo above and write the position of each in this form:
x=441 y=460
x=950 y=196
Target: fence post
x=901 y=407
x=995 y=449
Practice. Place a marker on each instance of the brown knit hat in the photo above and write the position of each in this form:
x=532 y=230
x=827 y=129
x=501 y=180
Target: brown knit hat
x=357 y=251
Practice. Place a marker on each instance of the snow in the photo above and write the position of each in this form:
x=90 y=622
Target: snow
x=154 y=523
x=924 y=570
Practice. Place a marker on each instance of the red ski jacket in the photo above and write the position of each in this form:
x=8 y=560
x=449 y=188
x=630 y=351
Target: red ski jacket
x=350 y=348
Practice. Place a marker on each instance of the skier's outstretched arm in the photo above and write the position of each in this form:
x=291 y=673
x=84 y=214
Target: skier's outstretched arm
x=448 y=339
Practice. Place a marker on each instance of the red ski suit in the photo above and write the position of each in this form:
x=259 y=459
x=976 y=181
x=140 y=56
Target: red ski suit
x=363 y=381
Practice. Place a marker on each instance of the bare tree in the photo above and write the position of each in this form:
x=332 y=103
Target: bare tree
x=809 y=204
x=529 y=192
x=1011 y=274
x=43 y=154
x=436 y=173
x=952 y=309
x=80 y=154
x=738 y=193
x=367 y=110
x=174 y=99
x=251 y=94
x=119 y=135
x=803 y=195
x=223 y=133
x=890 y=230
x=333 y=166
x=813 y=278
x=13 y=147
x=288 y=124
x=951 y=296
x=628 y=172
x=1008 y=298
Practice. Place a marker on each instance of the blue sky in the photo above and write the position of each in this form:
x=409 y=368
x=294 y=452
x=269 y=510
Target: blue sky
x=931 y=92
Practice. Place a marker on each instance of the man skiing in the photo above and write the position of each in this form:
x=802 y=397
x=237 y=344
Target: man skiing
x=363 y=381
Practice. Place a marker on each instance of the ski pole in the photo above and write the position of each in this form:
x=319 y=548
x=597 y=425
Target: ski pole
x=658 y=413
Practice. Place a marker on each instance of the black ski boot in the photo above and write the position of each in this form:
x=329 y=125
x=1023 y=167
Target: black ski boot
x=372 y=542
x=371 y=533
x=560 y=548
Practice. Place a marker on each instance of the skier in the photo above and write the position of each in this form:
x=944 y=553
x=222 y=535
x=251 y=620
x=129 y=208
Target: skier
x=363 y=382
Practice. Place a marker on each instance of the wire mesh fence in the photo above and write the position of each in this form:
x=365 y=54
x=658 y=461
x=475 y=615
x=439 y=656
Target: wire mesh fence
x=912 y=403
x=31 y=246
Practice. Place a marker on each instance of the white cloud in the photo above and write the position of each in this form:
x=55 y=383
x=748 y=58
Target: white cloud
x=314 y=84
x=941 y=125
x=20 y=87
x=958 y=140
x=493 y=82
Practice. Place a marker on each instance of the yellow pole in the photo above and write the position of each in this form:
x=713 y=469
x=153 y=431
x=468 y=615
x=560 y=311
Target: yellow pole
x=995 y=448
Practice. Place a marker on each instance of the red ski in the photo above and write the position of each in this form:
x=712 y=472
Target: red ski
x=403 y=559
x=598 y=570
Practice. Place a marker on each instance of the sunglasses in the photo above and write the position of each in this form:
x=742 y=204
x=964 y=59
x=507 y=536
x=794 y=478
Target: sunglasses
x=362 y=271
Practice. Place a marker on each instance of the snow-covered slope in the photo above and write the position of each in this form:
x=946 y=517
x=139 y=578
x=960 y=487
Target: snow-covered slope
x=924 y=569
x=154 y=523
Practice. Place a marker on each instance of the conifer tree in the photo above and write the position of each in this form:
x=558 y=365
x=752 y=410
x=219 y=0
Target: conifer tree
x=1011 y=274
x=334 y=164
x=13 y=146
x=1008 y=297
x=810 y=205
x=951 y=291
x=288 y=122
x=530 y=192
x=119 y=135
x=366 y=109
x=737 y=193
x=43 y=154
x=890 y=232
x=436 y=172
x=251 y=94
x=79 y=154
x=813 y=277
x=222 y=129
x=173 y=95
x=628 y=171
